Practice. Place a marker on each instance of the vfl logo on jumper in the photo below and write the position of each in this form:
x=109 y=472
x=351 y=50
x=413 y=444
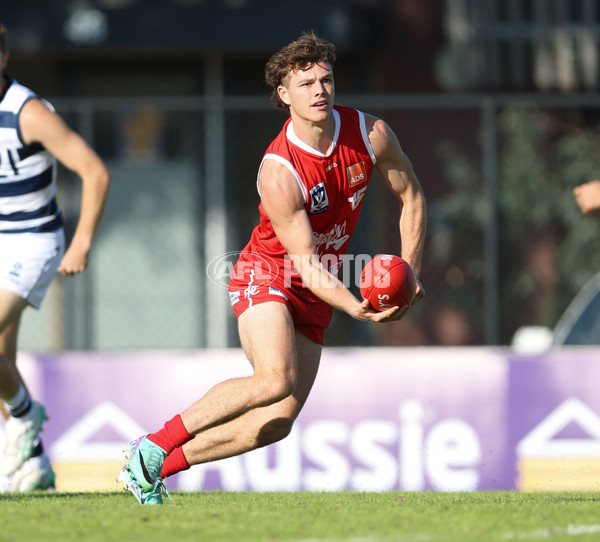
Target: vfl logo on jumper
x=319 y=202
x=357 y=174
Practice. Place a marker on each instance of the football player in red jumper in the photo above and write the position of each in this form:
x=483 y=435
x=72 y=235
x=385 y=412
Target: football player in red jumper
x=311 y=182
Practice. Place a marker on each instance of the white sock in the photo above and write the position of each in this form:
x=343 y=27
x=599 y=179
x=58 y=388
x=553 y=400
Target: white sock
x=20 y=404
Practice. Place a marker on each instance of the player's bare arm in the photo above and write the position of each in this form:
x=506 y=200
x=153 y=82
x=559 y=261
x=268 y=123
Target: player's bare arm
x=283 y=202
x=397 y=172
x=40 y=125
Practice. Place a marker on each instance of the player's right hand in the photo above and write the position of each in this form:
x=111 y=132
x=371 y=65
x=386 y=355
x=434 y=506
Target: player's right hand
x=389 y=315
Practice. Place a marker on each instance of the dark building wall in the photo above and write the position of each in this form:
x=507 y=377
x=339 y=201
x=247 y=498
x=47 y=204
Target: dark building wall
x=160 y=47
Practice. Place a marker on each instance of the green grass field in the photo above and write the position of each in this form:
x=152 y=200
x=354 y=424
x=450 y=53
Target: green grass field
x=302 y=517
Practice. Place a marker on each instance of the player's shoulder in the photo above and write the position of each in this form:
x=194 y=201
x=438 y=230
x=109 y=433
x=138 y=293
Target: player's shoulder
x=22 y=100
x=14 y=87
x=372 y=124
x=35 y=111
x=278 y=184
x=376 y=124
x=377 y=128
x=15 y=95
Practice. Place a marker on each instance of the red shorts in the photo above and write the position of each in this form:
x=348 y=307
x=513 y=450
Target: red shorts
x=310 y=314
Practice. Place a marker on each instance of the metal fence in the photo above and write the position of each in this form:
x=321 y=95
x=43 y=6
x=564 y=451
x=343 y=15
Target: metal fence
x=520 y=44
x=506 y=245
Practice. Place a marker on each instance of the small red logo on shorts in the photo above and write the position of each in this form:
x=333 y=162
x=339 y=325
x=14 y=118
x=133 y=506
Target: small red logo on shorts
x=357 y=174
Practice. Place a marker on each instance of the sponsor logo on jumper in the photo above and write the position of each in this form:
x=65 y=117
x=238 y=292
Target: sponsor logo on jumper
x=319 y=202
x=357 y=174
x=336 y=237
x=357 y=197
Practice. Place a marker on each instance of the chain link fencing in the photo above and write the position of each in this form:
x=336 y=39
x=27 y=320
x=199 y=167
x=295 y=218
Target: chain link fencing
x=506 y=245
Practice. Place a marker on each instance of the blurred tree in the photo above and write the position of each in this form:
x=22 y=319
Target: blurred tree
x=548 y=248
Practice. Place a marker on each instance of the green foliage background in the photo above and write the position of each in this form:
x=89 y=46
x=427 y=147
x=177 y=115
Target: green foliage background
x=548 y=248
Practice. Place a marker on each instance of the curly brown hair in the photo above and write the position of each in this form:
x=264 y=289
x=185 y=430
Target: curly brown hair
x=301 y=54
x=3 y=40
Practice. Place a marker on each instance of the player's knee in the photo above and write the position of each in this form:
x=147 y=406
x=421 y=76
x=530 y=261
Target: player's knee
x=275 y=389
x=286 y=387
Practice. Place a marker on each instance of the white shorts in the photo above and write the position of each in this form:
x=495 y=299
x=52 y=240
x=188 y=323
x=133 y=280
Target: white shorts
x=28 y=262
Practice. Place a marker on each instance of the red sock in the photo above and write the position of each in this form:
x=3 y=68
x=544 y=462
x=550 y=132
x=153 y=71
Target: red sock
x=173 y=434
x=175 y=462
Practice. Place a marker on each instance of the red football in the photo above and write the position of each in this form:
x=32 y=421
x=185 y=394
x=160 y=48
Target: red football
x=388 y=281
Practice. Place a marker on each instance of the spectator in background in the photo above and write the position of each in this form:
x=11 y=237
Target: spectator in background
x=587 y=196
x=32 y=248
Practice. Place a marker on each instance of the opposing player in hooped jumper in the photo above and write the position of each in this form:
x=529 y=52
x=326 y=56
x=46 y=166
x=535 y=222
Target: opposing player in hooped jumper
x=311 y=184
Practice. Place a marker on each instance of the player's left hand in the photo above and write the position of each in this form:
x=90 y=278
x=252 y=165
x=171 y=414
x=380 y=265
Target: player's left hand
x=419 y=293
